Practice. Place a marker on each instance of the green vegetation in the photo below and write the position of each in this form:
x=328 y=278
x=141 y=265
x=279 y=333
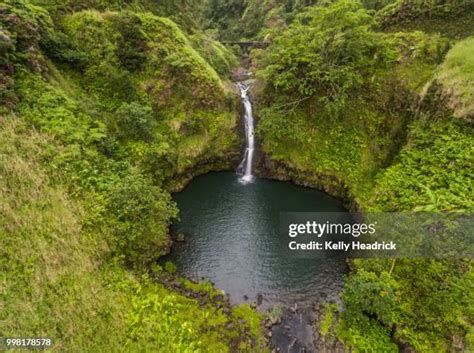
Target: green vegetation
x=380 y=118
x=456 y=76
x=434 y=181
x=58 y=282
x=261 y=19
x=348 y=100
x=106 y=107
x=452 y=18
x=332 y=49
x=236 y=19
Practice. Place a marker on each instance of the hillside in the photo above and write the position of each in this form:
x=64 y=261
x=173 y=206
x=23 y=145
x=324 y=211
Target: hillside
x=452 y=18
x=102 y=112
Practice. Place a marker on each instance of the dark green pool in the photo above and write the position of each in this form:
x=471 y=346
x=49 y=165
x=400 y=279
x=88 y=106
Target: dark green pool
x=232 y=239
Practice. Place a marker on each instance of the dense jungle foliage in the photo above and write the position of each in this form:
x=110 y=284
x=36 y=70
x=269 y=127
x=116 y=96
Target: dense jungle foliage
x=108 y=106
x=104 y=109
x=389 y=115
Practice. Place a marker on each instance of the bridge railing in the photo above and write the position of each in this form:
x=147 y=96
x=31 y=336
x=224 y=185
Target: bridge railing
x=248 y=44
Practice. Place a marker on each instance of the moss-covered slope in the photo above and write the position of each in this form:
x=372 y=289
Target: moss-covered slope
x=60 y=282
x=453 y=18
x=102 y=113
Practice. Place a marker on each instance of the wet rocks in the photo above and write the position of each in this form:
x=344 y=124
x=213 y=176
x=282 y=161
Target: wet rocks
x=180 y=237
x=240 y=74
x=259 y=299
x=266 y=167
x=275 y=320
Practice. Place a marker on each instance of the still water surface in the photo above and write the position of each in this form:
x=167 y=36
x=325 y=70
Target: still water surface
x=232 y=239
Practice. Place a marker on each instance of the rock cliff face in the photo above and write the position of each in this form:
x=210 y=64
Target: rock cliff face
x=279 y=170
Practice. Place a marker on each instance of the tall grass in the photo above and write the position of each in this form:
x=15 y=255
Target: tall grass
x=457 y=76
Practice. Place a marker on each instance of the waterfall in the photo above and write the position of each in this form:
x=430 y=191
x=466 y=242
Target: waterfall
x=245 y=167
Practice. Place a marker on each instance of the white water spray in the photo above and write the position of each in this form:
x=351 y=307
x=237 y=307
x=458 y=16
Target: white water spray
x=245 y=167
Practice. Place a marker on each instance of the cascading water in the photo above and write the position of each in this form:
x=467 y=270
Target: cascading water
x=245 y=167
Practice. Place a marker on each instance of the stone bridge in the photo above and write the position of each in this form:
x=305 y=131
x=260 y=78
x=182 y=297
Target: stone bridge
x=246 y=46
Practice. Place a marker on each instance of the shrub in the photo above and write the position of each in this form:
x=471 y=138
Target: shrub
x=375 y=295
x=328 y=51
x=131 y=44
x=141 y=215
x=135 y=121
x=58 y=46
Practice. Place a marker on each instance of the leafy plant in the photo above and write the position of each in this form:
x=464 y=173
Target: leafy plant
x=328 y=52
x=142 y=213
x=135 y=121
